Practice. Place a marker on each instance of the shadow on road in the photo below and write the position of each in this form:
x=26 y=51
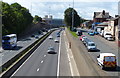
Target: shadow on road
x=114 y=70
x=95 y=50
x=17 y=48
x=25 y=39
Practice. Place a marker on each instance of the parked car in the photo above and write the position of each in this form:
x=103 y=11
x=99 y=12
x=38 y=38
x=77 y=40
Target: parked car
x=91 y=46
x=51 y=50
x=91 y=33
x=81 y=37
x=85 y=40
x=96 y=33
x=108 y=36
x=79 y=33
x=107 y=60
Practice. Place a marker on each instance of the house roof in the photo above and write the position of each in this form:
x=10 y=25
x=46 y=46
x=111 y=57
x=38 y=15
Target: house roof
x=101 y=14
x=114 y=18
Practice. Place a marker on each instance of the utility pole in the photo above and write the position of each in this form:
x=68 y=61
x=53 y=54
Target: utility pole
x=73 y=16
x=31 y=8
x=49 y=19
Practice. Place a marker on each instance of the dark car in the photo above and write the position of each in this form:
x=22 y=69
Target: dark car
x=40 y=32
x=32 y=35
x=79 y=33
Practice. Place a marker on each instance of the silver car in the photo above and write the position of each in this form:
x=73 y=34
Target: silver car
x=51 y=50
x=56 y=40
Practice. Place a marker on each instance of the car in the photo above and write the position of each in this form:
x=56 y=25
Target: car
x=58 y=34
x=91 y=33
x=110 y=38
x=84 y=39
x=96 y=33
x=50 y=37
x=36 y=36
x=79 y=33
x=91 y=46
x=40 y=32
x=81 y=37
x=107 y=60
x=32 y=35
x=56 y=40
x=51 y=50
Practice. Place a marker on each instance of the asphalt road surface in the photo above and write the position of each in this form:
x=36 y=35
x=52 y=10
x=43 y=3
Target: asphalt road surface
x=40 y=63
x=104 y=46
x=21 y=45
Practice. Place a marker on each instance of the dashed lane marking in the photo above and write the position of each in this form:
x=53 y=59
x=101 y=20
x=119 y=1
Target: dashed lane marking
x=42 y=61
x=38 y=69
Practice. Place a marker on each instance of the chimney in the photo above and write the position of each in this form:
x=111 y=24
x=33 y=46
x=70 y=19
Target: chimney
x=103 y=12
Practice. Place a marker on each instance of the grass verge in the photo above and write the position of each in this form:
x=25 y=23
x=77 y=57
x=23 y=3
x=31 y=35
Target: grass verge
x=73 y=33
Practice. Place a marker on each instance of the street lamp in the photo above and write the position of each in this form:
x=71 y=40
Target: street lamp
x=73 y=16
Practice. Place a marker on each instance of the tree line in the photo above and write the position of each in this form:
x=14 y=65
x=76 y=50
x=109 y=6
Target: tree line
x=15 y=18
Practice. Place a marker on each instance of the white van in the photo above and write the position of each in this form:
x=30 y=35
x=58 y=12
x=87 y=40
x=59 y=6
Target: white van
x=107 y=60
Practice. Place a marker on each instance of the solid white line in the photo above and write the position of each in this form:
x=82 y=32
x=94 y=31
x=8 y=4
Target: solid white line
x=59 y=57
x=42 y=61
x=27 y=59
x=38 y=69
x=68 y=56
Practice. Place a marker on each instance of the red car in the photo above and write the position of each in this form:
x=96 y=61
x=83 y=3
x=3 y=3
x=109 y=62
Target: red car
x=82 y=37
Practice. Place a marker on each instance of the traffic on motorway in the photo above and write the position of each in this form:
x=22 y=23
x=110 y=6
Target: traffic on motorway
x=44 y=60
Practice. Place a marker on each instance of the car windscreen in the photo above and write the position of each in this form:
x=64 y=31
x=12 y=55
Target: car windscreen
x=108 y=34
x=51 y=48
x=92 y=44
x=5 y=38
x=109 y=58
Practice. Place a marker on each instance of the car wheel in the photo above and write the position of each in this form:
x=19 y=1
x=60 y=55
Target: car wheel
x=88 y=50
x=102 y=67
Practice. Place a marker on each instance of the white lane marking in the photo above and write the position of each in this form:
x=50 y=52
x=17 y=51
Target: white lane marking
x=68 y=55
x=27 y=59
x=44 y=55
x=42 y=61
x=59 y=58
x=38 y=69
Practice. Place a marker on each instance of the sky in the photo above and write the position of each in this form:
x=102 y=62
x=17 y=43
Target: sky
x=56 y=8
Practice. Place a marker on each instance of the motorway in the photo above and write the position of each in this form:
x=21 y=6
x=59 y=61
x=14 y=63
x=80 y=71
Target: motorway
x=40 y=63
x=21 y=45
x=103 y=46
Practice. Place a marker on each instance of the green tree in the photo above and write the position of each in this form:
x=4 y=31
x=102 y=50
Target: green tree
x=68 y=17
x=37 y=19
x=15 y=18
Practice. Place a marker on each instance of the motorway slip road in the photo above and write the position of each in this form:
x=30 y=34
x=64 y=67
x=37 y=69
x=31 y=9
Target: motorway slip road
x=6 y=55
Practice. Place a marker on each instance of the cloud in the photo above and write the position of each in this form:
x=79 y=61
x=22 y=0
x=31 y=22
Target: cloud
x=85 y=8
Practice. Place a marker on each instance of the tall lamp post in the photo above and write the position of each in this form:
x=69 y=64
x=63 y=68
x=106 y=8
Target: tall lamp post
x=73 y=16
